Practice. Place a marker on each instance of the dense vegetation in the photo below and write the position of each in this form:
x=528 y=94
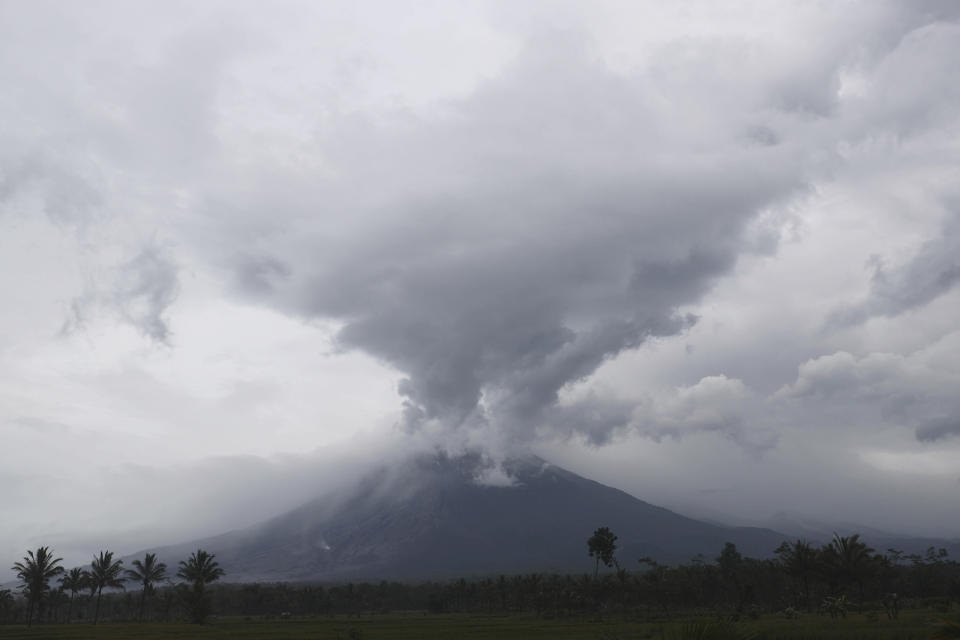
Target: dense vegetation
x=845 y=578
x=82 y=589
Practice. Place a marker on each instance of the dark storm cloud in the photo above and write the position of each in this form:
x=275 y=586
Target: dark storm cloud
x=902 y=102
x=597 y=419
x=916 y=391
x=497 y=248
x=557 y=217
x=259 y=275
x=931 y=273
x=563 y=213
x=939 y=428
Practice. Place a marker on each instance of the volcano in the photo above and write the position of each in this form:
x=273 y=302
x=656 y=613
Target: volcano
x=439 y=516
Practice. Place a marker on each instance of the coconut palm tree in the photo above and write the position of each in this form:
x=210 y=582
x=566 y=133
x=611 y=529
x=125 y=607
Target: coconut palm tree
x=104 y=572
x=72 y=581
x=849 y=559
x=199 y=570
x=34 y=573
x=147 y=573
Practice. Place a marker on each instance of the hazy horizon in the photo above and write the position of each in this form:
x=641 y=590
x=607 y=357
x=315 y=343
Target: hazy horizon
x=707 y=254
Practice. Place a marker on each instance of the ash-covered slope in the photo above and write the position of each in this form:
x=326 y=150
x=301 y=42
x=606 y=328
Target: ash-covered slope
x=431 y=518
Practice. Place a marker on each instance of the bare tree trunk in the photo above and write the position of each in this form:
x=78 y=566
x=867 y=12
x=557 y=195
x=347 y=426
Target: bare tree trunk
x=96 y=613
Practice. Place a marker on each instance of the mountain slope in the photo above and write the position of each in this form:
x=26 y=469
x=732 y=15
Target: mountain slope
x=882 y=541
x=431 y=518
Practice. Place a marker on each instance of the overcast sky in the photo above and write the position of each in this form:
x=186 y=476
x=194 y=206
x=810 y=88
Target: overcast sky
x=705 y=252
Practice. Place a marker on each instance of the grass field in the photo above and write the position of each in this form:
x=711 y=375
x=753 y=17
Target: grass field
x=912 y=625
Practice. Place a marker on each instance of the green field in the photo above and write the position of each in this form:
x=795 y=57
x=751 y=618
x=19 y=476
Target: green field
x=411 y=626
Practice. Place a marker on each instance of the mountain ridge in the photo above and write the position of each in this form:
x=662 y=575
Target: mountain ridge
x=438 y=516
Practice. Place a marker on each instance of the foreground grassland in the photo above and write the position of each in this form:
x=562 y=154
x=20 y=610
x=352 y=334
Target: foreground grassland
x=412 y=626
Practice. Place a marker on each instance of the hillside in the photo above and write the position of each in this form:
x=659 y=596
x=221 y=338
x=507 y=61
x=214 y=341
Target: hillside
x=431 y=518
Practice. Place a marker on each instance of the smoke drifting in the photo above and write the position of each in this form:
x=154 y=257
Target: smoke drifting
x=502 y=249
x=546 y=224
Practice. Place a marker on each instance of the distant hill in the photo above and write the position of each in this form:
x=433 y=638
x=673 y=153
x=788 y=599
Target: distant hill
x=430 y=517
x=881 y=541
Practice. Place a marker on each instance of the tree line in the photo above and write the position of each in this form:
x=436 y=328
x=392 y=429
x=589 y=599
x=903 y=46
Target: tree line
x=800 y=578
x=36 y=570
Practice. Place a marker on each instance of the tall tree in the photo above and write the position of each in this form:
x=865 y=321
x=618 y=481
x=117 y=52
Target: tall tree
x=6 y=603
x=601 y=546
x=72 y=581
x=90 y=585
x=799 y=561
x=147 y=573
x=34 y=573
x=730 y=563
x=850 y=560
x=199 y=570
x=55 y=601
x=104 y=572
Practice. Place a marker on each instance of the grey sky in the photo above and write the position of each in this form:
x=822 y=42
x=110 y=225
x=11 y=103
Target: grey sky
x=705 y=253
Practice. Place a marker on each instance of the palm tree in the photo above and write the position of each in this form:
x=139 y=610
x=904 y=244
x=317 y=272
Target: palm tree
x=34 y=572
x=73 y=581
x=147 y=572
x=104 y=572
x=199 y=570
x=850 y=560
